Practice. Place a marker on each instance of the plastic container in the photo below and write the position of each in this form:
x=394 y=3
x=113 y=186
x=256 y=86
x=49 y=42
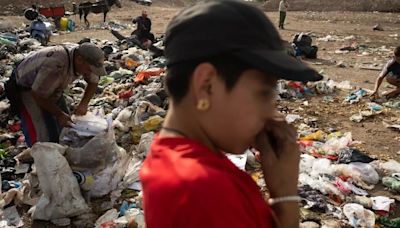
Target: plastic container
x=70 y=25
x=63 y=23
x=6 y=42
x=9 y=36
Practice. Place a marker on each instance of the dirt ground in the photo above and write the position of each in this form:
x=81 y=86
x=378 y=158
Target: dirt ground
x=331 y=115
x=376 y=139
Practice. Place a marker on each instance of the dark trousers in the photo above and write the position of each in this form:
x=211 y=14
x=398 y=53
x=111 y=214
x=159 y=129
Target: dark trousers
x=282 y=17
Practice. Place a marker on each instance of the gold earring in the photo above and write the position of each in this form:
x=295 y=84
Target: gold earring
x=203 y=105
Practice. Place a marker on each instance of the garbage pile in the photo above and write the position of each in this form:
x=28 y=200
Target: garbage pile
x=340 y=185
x=342 y=180
x=338 y=182
x=101 y=155
x=99 y=158
x=290 y=89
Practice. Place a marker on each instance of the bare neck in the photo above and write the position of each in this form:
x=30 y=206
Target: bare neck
x=184 y=119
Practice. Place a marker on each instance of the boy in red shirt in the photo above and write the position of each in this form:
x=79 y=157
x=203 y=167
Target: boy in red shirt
x=224 y=58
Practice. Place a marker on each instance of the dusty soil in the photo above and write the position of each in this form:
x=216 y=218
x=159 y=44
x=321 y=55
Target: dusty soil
x=331 y=115
x=16 y=7
x=377 y=139
x=329 y=5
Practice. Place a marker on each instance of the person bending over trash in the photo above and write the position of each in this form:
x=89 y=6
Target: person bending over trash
x=143 y=28
x=35 y=89
x=221 y=82
x=392 y=73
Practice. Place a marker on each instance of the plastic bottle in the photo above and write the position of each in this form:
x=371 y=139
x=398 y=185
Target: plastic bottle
x=63 y=23
x=70 y=25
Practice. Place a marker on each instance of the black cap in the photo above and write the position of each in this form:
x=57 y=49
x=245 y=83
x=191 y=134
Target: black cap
x=227 y=26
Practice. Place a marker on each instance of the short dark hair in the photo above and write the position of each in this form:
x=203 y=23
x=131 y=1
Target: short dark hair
x=397 y=51
x=179 y=75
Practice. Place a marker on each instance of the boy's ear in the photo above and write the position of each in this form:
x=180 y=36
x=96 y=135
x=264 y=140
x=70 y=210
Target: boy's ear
x=203 y=77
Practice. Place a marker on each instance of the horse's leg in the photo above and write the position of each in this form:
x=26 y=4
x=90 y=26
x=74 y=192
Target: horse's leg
x=86 y=20
x=105 y=15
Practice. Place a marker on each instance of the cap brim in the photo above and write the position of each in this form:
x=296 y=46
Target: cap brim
x=279 y=64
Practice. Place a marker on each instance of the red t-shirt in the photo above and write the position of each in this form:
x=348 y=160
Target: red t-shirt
x=185 y=184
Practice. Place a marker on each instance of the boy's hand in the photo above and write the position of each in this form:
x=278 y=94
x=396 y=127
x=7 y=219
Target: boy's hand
x=280 y=157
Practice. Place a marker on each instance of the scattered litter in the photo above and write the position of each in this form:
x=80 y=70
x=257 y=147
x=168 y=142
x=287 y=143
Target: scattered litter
x=11 y=218
x=238 y=159
x=377 y=27
x=358 y=216
x=103 y=152
x=290 y=118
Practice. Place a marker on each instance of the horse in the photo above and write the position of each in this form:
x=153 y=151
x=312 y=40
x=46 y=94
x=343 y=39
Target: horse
x=102 y=6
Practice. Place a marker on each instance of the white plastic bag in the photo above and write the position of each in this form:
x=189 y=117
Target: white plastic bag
x=106 y=180
x=239 y=160
x=363 y=174
x=291 y=118
x=320 y=184
x=97 y=152
x=334 y=145
x=321 y=166
x=84 y=128
x=89 y=124
x=144 y=146
x=381 y=203
x=306 y=163
x=367 y=173
x=109 y=216
x=122 y=122
x=61 y=196
x=100 y=162
x=10 y=218
x=132 y=173
x=132 y=214
x=388 y=167
x=358 y=216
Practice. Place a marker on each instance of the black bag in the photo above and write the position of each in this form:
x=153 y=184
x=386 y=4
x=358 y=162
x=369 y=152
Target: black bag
x=313 y=52
x=12 y=93
x=302 y=40
x=309 y=52
x=304 y=44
